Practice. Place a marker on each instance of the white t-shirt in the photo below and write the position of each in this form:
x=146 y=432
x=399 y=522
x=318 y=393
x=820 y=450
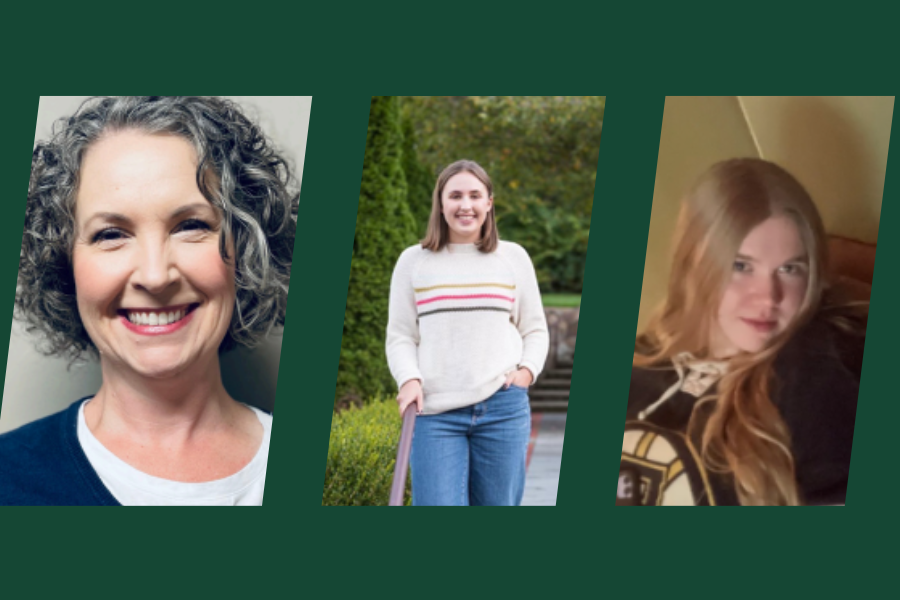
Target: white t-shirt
x=132 y=487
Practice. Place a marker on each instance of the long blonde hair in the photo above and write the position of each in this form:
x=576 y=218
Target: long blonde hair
x=744 y=434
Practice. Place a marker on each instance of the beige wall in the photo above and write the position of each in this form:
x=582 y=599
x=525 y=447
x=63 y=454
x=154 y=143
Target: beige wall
x=697 y=131
x=837 y=146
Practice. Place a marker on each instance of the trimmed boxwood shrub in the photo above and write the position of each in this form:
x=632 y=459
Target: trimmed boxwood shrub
x=384 y=228
x=362 y=451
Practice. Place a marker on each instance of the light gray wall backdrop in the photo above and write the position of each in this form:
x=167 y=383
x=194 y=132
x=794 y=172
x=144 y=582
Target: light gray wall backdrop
x=37 y=386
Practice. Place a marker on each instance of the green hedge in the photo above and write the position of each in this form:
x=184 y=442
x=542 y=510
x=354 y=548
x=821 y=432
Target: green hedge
x=361 y=456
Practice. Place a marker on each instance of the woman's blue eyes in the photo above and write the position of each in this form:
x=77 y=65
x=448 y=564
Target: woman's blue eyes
x=111 y=234
x=741 y=266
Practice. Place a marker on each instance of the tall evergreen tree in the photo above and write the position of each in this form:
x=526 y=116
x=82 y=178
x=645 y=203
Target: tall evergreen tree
x=419 y=178
x=384 y=228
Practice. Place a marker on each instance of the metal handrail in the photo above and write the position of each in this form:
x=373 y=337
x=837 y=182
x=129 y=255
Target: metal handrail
x=401 y=467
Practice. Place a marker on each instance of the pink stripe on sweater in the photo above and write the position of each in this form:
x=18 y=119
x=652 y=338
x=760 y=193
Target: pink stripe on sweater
x=465 y=297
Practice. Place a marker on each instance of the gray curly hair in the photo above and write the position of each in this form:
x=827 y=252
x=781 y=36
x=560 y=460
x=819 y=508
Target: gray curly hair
x=239 y=172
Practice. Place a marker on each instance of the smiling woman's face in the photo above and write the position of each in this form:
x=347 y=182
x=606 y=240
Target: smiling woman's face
x=766 y=289
x=153 y=291
x=465 y=203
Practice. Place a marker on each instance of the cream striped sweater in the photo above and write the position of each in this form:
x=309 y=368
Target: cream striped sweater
x=460 y=320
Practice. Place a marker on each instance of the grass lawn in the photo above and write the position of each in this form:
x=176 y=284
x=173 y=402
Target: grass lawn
x=561 y=300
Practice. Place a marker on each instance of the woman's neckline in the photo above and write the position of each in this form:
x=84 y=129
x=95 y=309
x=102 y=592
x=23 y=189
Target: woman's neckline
x=251 y=465
x=467 y=248
x=124 y=472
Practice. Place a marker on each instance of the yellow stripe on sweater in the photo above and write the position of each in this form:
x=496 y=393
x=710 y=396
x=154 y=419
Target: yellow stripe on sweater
x=464 y=285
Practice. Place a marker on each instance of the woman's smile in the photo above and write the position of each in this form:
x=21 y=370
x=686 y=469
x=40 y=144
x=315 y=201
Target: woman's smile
x=761 y=325
x=157 y=321
x=467 y=219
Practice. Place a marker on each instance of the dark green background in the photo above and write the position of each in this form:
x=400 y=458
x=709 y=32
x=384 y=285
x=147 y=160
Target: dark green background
x=293 y=547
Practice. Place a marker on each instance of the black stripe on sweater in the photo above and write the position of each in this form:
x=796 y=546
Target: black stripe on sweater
x=463 y=309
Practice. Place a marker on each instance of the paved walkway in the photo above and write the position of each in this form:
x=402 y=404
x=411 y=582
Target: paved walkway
x=544 y=459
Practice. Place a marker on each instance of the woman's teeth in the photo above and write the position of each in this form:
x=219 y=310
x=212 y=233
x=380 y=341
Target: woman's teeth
x=156 y=318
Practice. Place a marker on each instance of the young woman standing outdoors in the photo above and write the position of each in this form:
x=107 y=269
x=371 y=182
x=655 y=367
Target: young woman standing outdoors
x=466 y=337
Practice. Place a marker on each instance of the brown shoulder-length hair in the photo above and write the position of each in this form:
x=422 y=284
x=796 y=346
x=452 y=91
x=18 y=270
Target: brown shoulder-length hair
x=438 y=234
x=745 y=434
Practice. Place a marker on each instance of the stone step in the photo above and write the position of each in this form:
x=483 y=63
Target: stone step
x=553 y=383
x=549 y=405
x=554 y=373
x=539 y=394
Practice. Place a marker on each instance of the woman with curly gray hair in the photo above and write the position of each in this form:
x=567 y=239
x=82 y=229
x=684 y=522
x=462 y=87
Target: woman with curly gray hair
x=159 y=233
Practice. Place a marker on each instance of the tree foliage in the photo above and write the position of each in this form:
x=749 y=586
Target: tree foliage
x=384 y=228
x=419 y=179
x=541 y=152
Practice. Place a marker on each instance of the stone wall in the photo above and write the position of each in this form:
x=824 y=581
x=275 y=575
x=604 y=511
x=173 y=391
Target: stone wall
x=563 y=325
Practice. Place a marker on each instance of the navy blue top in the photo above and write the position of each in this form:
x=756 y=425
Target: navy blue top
x=42 y=464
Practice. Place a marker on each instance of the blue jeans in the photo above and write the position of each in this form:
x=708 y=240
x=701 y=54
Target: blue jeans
x=473 y=456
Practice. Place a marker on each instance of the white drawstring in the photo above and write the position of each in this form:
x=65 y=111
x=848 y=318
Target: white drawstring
x=694 y=377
